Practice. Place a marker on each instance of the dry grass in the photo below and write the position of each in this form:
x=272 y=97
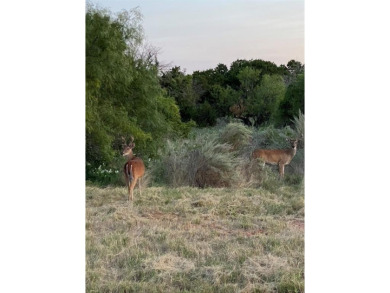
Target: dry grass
x=195 y=240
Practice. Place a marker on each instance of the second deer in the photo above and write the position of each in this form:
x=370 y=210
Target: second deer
x=277 y=157
x=134 y=168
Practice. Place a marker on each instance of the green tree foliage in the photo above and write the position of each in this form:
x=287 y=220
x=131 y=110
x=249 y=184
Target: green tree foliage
x=123 y=94
x=267 y=98
x=249 y=79
x=293 y=102
x=260 y=95
x=224 y=98
x=203 y=82
x=264 y=67
x=251 y=90
x=200 y=96
x=179 y=86
x=205 y=114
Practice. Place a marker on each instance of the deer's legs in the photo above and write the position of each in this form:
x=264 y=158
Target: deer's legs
x=130 y=191
x=130 y=180
x=281 y=170
x=131 y=188
x=139 y=185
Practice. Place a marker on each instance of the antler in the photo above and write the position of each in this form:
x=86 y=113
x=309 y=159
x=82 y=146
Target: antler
x=298 y=138
x=131 y=143
x=123 y=141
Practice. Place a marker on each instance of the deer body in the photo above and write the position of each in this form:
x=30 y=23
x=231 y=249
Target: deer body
x=277 y=157
x=134 y=169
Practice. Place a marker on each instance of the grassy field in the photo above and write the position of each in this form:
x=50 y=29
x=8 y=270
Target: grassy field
x=195 y=240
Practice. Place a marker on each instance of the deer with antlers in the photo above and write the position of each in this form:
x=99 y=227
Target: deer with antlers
x=134 y=168
x=277 y=157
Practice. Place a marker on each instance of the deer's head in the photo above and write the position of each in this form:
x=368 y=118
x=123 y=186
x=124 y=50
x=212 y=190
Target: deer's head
x=293 y=142
x=128 y=148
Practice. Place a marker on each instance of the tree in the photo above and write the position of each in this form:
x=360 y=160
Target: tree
x=293 y=101
x=250 y=90
x=225 y=98
x=263 y=104
x=293 y=69
x=108 y=76
x=205 y=115
x=179 y=86
x=123 y=94
x=260 y=96
x=265 y=67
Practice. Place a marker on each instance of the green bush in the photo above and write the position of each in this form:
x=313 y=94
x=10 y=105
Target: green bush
x=107 y=174
x=237 y=135
x=200 y=162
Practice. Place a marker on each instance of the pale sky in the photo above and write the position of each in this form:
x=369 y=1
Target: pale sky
x=198 y=35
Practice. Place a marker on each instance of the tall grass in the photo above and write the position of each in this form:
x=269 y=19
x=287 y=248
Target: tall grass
x=299 y=124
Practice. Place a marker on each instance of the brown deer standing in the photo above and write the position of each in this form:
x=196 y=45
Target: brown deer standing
x=277 y=157
x=134 y=168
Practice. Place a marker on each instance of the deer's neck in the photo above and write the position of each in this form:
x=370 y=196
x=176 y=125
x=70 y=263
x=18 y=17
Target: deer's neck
x=130 y=157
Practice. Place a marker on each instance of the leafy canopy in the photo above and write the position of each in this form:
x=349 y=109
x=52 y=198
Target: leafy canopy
x=123 y=93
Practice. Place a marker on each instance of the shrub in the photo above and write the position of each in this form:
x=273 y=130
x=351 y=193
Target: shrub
x=200 y=162
x=105 y=174
x=272 y=138
x=237 y=135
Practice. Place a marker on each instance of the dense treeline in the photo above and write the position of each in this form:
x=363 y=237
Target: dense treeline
x=127 y=93
x=254 y=91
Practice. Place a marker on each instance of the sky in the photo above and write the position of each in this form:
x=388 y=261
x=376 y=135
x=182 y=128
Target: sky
x=198 y=35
